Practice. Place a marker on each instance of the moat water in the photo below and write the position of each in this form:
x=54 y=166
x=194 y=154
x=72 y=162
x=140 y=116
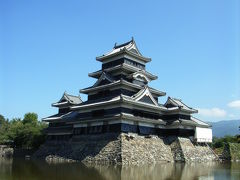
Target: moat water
x=19 y=169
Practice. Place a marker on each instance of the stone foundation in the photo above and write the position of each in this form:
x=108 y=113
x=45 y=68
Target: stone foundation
x=124 y=148
x=137 y=149
x=185 y=151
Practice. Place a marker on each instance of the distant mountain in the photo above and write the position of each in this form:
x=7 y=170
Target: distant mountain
x=226 y=127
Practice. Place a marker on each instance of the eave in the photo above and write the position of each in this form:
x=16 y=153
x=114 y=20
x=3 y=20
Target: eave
x=180 y=110
x=90 y=89
x=61 y=104
x=96 y=104
x=121 y=67
x=142 y=119
x=89 y=120
x=120 y=116
x=121 y=100
x=200 y=122
x=186 y=122
x=55 y=117
x=121 y=82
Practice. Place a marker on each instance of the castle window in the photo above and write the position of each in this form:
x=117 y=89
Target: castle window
x=63 y=110
x=98 y=113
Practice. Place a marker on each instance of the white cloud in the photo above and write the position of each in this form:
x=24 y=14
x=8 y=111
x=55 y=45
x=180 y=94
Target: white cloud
x=234 y=104
x=213 y=112
x=232 y=115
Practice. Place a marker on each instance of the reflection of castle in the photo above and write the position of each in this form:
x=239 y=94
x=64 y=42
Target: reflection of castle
x=122 y=101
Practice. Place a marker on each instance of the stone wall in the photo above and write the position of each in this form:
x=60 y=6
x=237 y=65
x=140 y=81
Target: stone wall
x=144 y=149
x=104 y=148
x=195 y=153
x=124 y=148
x=176 y=150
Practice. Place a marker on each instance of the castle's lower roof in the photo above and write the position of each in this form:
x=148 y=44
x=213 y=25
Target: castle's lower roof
x=187 y=122
x=55 y=117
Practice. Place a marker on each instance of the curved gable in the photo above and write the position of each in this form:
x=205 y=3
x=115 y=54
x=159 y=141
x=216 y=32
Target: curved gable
x=104 y=79
x=141 y=77
x=145 y=96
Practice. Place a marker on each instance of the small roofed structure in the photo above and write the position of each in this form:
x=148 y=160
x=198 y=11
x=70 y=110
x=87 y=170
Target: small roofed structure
x=177 y=103
x=183 y=119
x=58 y=128
x=68 y=100
x=64 y=104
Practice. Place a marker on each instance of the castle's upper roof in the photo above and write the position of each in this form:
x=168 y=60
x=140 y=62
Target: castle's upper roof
x=130 y=48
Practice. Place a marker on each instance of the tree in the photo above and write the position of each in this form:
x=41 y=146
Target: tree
x=2 y=119
x=30 y=118
x=3 y=129
x=26 y=133
x=15 y=132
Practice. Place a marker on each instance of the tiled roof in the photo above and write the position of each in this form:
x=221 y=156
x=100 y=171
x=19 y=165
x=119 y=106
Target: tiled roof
x=73 y=99
x=68 y=99
x=56 y=116
x=198 y=121
x=129 y=48
x=178 y=103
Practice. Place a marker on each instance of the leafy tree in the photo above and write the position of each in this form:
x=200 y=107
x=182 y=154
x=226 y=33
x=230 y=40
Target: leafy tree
x=219 y=142
x=26 y=133
x=30 y=118
x=3 y=129
x=15 y=132
x=2 y=119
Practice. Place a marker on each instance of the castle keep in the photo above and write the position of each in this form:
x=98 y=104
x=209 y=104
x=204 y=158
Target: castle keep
x=121 y=100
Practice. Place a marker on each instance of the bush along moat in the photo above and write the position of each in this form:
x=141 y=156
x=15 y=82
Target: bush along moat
x=17 y=135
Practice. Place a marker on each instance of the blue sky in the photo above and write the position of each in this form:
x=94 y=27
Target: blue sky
x=48 y=47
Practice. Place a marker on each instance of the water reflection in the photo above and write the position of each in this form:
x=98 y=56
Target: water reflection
x=22 y=169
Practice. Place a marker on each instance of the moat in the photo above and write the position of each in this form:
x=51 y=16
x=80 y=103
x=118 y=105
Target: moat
x=11 y=169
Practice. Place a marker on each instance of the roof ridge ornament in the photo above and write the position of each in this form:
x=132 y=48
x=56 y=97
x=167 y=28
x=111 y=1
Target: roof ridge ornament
x=123 y=44
x=177 y=99
x=133 y=41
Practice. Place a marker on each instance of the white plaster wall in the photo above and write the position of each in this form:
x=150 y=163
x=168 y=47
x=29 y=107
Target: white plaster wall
x=203 y=134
